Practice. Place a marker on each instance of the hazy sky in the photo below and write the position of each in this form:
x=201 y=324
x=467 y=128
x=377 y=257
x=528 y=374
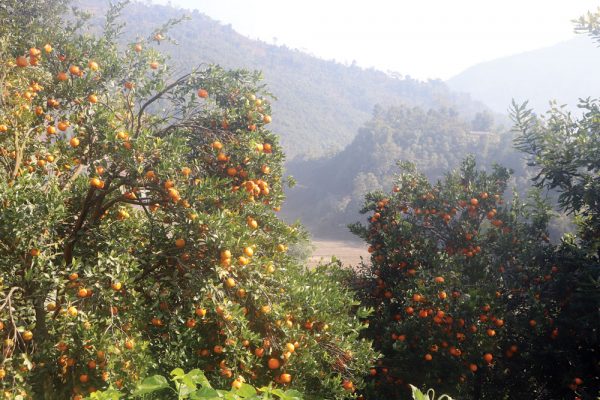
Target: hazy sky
x=421 y=38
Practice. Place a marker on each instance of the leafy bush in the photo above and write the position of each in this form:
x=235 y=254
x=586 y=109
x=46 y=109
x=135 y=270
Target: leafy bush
x=460 y=283
x=138 y=227
x=195 y=385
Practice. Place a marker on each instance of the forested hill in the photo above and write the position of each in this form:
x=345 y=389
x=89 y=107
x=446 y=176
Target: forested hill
x=330 y=192
x=320 y=103
x=563 y=72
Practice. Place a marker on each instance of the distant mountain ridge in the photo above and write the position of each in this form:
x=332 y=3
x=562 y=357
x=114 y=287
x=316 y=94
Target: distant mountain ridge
x=321 y=104
x=564 y=72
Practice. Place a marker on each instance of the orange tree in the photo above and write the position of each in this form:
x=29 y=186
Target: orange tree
x=464 y=289
x=137 y=223
x=565 y=151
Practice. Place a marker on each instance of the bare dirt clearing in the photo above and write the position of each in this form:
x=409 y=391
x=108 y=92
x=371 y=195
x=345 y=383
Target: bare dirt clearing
x=348 y=252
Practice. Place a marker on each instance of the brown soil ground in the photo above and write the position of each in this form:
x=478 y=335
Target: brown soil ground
x=348 y=252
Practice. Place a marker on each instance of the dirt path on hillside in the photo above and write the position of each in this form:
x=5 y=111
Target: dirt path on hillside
x=348 y=252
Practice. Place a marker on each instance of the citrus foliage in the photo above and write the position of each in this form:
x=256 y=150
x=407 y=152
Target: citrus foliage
x=565 y=151
x=466 y=289
x=428 y=395
x=195 y=385
x=137 y=224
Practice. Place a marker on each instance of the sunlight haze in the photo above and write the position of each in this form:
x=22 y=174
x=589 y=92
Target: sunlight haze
x=424 y=39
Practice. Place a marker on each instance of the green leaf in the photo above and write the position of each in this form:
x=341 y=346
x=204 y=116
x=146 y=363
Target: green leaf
x=151 y=384
x=177 y=374
x=417 y=394
x=245 y=391
x=199 y=378
x=291 y=395
x=205 y=394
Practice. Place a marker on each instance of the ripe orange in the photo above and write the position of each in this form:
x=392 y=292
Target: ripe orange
x=122 y=135
x=138 y=48
x=74 y=142
x=487 y=357
x=201 y=312
x=222 y=157
x=129 y=344
x=225 y=254
x=74 y=70
x=83 y=378
x=428 y=357
x=96 y=183
x=236 y=384
x=180 y=243
x=190 y=323
x=63 y=125
x=62 y=76
x=230 y=282
x=93 y=65
x=232 y=171
x=285 y=378
x=252 y=223
x=202 y=93
x=348 y=385
x=27 y=336
x=22 y=61
x=273 y=363
x=186 y=171
x=265 y=309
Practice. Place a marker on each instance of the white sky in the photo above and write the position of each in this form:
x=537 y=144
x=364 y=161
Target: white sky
x=420 y=38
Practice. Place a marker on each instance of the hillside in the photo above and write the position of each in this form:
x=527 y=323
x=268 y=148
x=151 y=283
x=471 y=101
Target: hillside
x=331 y=191
x=564 y=72
x=320 y=103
